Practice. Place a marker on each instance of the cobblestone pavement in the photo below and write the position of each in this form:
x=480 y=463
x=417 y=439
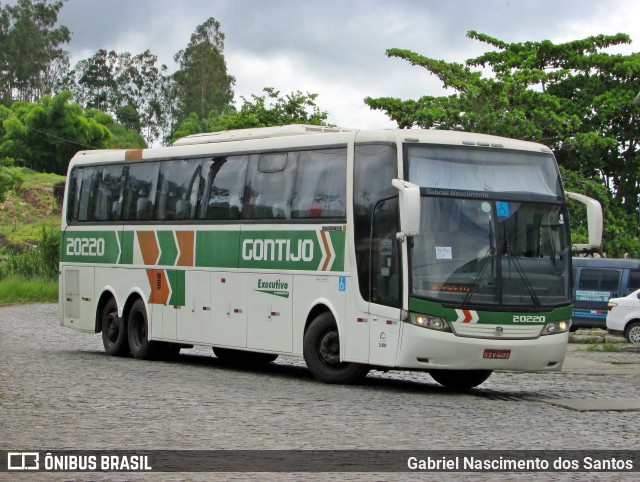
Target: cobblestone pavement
x=59 y=390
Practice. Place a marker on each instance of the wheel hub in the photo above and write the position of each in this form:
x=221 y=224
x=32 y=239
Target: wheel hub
x=329 y=348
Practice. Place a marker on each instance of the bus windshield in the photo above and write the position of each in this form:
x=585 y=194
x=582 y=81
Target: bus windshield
x=480 y=247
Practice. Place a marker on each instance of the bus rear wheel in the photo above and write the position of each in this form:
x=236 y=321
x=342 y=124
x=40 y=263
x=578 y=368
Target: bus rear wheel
x=460 y=379
x=321 y=349
x=114 y=330
x=138 y=331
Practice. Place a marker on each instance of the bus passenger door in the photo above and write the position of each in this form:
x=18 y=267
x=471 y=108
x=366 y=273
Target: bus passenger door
x=386 y=284
x=229 y=310
x=270 y=312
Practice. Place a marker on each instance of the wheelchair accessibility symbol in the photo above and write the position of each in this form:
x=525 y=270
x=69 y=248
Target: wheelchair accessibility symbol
x=342 y=283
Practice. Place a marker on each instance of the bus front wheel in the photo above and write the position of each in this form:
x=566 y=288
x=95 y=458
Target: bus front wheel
x=321 y=348
x=114 y=330
x=460 y=379
x=138 y=330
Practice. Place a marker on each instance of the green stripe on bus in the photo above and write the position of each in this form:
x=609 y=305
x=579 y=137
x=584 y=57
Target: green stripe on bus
x=90 y=247
x=217 y=249
x=126 y=244
x=176 y=280
x=490 y=317
x=168 y=248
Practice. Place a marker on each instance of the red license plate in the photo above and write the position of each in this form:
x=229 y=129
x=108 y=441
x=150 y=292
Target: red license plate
x=499 y=354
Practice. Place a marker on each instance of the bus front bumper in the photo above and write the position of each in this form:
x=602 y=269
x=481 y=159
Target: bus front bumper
x=426 y=349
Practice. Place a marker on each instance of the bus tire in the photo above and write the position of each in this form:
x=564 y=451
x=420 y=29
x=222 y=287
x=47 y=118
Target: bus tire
x=114 y=330
x=241 y=356
x=460 y=379
x=138 y=331
x=632 y=333
x=321 y=348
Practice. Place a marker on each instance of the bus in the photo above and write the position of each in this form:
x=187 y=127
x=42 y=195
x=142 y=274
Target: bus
x=437 y=251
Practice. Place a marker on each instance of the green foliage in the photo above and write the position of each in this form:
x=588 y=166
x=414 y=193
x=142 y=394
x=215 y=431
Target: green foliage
x=31 y=57
x=572 y=97
x=262 y=111
x=620 y=231
x=46 y=134
x=202 y=84
x=10 y=177
x=29 y=208
x=41 y=262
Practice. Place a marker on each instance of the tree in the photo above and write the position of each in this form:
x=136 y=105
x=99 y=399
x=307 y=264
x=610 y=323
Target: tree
x=129 y=87
x=572 y=97
x=44 y=135
x=31 y=55
x=262 y=111
x=202 y=83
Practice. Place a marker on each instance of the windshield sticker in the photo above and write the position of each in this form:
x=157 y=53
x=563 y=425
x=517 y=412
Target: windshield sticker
x=503 y=209
x=486 y=207
x=444 y=252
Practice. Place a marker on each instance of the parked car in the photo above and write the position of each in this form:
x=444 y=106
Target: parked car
x=623 y=317
x=595 y=282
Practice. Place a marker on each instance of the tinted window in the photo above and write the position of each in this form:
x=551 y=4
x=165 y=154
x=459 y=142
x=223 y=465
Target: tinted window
x=386 y=266
x=109 y=193
x=599 y=280
x=270 y=186
x=224 y=187
x=375 y=166
x=634 y=280
x=320 y=186
x=87 y=193
x=177 y=190
x=140 y=192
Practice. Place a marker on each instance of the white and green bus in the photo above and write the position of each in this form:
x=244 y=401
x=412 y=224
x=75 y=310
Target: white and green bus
x=445 y=252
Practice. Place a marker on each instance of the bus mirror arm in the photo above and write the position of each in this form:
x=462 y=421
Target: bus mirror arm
x=409 y=208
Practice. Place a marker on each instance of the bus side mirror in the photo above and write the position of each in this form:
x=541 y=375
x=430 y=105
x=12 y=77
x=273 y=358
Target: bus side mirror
x=409 y=208
x=594 y=221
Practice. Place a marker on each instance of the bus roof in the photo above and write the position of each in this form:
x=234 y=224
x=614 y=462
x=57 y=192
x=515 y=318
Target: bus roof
x=282 y=137
x=257 y=133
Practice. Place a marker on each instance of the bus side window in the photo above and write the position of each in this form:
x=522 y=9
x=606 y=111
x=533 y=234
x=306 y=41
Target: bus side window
x=108 y=194
x=140 y=192
x=73 y=196
x=270 y=186
x=224 y=184
x=87 y=193
x=320 y=186
x=175 y=185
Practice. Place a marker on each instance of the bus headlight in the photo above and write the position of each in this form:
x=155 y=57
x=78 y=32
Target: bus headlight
x=431 y=322
x=556 y=327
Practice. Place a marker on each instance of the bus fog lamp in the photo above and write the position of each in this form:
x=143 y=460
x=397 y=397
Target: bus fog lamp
x=556 y=327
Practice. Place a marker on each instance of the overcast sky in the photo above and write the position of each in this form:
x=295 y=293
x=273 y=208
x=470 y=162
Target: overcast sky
x=337 y=48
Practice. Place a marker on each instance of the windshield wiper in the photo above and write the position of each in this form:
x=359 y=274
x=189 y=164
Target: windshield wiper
x=523 y=276
x=491 y=252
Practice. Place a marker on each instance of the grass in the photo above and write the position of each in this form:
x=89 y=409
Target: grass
x=604 y=347
x=19 y=290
